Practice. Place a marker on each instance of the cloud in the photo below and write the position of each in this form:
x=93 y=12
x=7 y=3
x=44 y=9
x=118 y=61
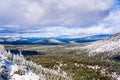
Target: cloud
x=113 y=19
x=53 y=12
x=62 y=32
x=54 y=18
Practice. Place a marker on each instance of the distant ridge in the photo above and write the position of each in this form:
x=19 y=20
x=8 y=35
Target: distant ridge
x=50 y=41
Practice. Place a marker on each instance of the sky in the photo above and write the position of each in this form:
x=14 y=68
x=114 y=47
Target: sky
x=59 y=18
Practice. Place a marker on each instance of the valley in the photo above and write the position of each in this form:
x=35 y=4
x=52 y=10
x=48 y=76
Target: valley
x=99 y=60
x=71 y=59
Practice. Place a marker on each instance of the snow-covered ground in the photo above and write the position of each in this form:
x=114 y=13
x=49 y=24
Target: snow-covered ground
x=110 y=45
x=13 y=70
x=16 y=67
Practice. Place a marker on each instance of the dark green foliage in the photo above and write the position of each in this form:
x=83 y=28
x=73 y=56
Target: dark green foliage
x=79 y=73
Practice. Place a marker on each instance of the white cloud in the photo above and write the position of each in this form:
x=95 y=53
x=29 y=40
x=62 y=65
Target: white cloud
x=63 y=32
x=113 y=20
x=53 y=12
x=51 y=18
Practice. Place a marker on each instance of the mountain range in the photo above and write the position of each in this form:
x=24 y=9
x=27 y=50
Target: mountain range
x=51 y=41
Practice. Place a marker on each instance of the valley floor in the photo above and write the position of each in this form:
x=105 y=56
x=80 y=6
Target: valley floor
x=75 y=62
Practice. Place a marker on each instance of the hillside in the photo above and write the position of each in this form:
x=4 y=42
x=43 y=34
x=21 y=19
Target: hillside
x=16 y=67
x=12 y=71
x=110 y=45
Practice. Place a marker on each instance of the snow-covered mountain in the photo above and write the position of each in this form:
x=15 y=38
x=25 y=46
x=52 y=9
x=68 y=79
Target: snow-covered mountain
x=49 y=41
x=97 y=37
x=73 y=42
x=110 y=45
x=11 y=39
x=53 y=40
